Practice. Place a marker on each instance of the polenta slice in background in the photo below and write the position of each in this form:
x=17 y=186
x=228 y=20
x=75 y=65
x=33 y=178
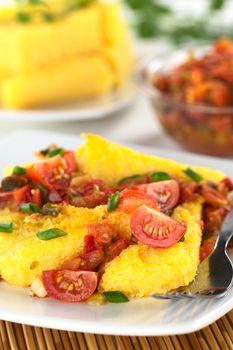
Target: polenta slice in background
x=62 y=53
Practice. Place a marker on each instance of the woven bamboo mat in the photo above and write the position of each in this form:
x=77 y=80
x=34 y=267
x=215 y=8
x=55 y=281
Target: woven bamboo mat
x=13 y=336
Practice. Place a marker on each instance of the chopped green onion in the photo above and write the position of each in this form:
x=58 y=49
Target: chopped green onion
x=160 y=176
x=6 y=227
x=23 y=17
x=48 y=17
x=125 y=179
x=50 y=234
x=29 y=208
x=49 y=209
x=55 y=152
x=116 y=297
x=182 y=239
x=44 y=193
x=113 y=201
x=193 y=175
x=18 y=170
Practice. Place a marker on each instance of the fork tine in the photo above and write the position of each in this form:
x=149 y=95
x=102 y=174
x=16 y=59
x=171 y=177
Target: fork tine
x=167 y=296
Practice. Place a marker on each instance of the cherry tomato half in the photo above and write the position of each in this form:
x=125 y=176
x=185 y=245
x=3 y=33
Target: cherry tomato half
x=130 y=200
x=166 y=193
x=156 y=229
x=70 y=286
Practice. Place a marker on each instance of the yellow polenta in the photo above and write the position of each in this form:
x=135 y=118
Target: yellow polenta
x=23 y=255
x=73 y=57
x=141 y=270
x=110 y=162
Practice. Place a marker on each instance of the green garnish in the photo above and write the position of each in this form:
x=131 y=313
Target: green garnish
x=125 y=179
x=182 y=239
x=55 y=152
x=18 y=170
x=29 y=208
x=48 y=17
x=50 y=234
x=116 y=297
x=49 y=209
x=193 y=175
x=113 y=201
x=44 y=193
x=6 y=227
x=23 y=17
x=160 y=176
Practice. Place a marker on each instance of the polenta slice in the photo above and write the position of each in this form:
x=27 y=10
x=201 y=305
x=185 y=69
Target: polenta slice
x=141 y=270
x=72 y=79
x=111 y=162
x=76 y=55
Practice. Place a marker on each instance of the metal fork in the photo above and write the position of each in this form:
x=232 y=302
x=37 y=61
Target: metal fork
x=214 y=276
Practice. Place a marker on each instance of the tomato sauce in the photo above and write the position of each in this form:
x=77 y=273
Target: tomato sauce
x=205 y=81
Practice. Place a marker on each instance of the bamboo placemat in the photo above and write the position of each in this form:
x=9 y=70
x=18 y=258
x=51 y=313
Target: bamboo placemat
x=13 y=336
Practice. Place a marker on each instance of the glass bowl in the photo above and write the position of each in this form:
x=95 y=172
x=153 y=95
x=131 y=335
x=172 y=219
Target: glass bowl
x=199 y=128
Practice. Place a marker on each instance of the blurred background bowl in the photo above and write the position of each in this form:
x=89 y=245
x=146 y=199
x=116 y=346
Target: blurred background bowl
x=198 y=128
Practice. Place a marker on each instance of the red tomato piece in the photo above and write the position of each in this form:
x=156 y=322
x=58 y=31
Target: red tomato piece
x=36 y=197
x=70 y=286
x=166 y=193
x=116 y=248
x=90 y=201
x=92 y=259
x=156 y=229
x=72 y=264
x=207 y=247
x=69 y=157
x=50 y=173
x=103 y=234
x=213 y=197
x=188 y=191
x=89 y=244
x=14 y=198
x=130 y=200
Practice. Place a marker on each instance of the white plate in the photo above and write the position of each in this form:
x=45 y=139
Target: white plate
x=94 y=108
x=142 y=317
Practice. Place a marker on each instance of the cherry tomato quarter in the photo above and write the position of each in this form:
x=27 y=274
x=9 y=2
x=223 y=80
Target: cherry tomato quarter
x=130 y=200
x=165 y=193
x=156 y=229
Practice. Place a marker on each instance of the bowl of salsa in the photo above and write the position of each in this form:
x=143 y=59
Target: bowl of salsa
x=191 y=93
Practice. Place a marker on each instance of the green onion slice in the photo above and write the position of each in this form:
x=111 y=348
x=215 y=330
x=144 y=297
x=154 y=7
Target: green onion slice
x=160 y=176
x=193 y=175
x=55 y=152
x=125 y=179
x=44 y=193
x=182 y=239
x=50 y=234
x=49 y=209
x=113 y=201
x=29 y=208
x=116 y=297
x=6 y=227
x=18 y=170
x=23 y=17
